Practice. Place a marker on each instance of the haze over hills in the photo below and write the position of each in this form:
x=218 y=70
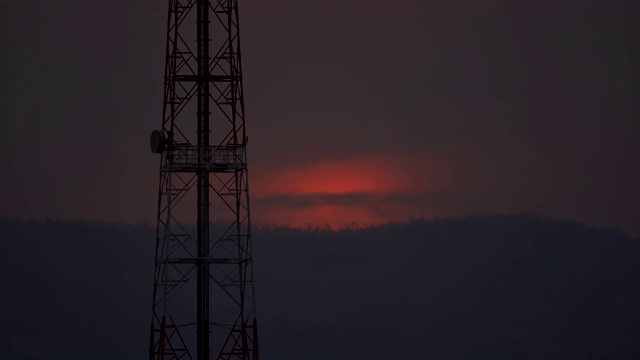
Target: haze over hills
x=482 y=287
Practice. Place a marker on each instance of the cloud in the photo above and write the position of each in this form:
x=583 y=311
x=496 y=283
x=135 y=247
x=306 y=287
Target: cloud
x=367 y=199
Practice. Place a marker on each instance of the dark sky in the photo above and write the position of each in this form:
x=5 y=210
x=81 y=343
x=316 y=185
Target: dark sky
x=357 y=110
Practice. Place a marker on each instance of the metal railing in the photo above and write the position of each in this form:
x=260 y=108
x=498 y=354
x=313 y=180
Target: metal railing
x=214 y=157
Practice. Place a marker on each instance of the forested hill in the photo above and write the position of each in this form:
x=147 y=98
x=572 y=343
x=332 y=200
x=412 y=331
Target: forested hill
x=483 y=287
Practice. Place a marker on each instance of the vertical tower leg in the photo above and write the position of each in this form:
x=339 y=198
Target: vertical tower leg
x=203 y=261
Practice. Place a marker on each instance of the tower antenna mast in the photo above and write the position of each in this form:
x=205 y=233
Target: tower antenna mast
x=203 y=293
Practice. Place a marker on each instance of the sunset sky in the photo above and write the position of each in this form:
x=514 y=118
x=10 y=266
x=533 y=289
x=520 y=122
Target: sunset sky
x=358 y=111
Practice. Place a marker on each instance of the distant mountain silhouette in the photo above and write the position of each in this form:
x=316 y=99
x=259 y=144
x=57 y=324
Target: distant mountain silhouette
x=481 y=287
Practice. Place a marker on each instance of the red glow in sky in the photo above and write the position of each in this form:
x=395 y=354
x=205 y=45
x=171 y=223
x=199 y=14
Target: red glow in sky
x=352 y=192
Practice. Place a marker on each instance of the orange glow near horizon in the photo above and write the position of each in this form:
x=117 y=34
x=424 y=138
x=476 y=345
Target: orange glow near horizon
x=339 y=178
x=345 y=193
x=335 y=217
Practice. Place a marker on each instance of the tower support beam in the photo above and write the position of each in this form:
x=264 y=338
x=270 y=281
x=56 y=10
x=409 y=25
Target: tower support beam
x=202 y=292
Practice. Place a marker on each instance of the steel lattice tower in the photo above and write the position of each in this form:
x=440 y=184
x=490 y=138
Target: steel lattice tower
x=203 y=297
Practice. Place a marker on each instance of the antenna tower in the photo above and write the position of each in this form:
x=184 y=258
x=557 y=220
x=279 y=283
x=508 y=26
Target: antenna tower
x=203 y=296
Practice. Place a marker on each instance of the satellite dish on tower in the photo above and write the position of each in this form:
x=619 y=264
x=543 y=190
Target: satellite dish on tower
x=158 y=141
